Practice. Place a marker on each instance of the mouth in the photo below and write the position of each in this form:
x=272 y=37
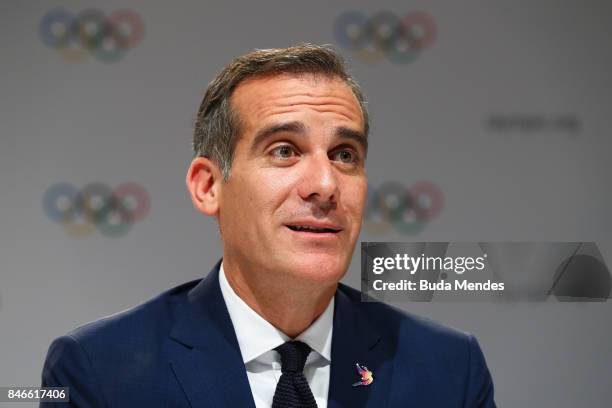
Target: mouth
x=314 y=230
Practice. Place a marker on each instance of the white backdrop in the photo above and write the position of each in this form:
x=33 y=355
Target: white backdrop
x=131 y=120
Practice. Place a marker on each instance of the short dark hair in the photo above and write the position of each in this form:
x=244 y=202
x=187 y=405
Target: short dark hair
x=217 y=124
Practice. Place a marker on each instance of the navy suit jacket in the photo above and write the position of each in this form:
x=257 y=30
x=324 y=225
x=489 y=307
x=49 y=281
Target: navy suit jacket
x=180 y=350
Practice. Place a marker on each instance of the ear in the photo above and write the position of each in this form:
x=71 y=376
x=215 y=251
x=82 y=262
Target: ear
x=203 y=182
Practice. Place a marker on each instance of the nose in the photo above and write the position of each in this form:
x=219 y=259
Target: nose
x=319 y=183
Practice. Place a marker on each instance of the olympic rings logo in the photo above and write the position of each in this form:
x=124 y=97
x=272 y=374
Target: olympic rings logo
x=407 y=210
x=96 y=206
x=107 y=38
x=385 y=34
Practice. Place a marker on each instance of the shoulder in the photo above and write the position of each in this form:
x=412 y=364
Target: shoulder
x=443 y=363
x=121 y=353
x=135 y=326
x=117 y=349
x=413 y=334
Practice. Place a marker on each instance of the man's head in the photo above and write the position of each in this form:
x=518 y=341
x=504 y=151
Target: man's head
x=280 y=142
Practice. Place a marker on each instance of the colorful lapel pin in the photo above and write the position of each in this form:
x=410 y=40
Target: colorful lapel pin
x=365 y=374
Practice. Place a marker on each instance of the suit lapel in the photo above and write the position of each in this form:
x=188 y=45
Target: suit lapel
x=206 y=359
x=356 y=341
x=205 y=354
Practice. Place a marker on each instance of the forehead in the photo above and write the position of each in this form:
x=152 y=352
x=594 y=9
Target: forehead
x=266 y=98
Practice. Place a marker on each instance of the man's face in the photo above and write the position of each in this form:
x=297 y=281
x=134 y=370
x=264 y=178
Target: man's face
x=294 y=201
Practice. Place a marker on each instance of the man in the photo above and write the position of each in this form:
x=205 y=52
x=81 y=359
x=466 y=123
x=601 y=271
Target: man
x=281 y=139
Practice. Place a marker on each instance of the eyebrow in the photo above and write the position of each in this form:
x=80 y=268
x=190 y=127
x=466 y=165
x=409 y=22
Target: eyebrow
x=299 y=128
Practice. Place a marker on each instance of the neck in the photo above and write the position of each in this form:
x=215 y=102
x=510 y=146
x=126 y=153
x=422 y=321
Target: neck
x=289 y=303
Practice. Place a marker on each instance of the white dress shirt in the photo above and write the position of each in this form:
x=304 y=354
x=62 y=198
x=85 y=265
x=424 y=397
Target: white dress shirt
x=257 y=339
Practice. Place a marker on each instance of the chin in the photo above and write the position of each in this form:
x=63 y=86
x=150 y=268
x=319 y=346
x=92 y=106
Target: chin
x=319 y=269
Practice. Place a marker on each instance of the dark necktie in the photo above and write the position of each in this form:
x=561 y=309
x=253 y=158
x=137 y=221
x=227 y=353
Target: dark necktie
x=292 y=390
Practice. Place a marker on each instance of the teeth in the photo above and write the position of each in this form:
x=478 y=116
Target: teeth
x=305 y=228
x=310 y=229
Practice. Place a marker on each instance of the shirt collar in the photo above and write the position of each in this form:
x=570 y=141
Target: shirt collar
x=257 y=336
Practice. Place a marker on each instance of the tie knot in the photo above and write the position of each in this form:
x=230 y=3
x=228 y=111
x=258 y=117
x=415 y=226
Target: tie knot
x=293 y=356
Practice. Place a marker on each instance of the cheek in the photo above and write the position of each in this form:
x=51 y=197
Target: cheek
x=356 y=199
x=260 y=197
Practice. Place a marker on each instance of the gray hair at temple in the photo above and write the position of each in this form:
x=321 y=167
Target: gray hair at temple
x=217 y=124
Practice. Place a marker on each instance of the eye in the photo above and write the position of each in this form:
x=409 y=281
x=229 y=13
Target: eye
x=283 y=152
x=346 y=156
